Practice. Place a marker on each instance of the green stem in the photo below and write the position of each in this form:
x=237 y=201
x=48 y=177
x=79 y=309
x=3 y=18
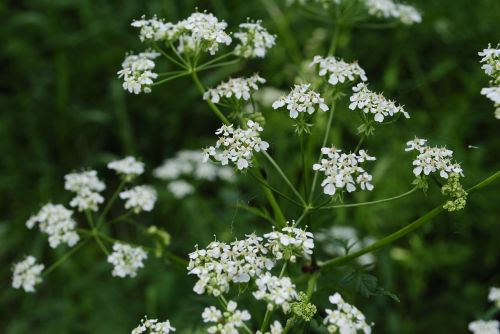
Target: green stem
x=101 y=245
x=215 y=60
x=361 y=140
x=168 y=57
x=404 y=231
x=89 y=217
x=101 y=218
x=65 y=257
x=183 y=74
x=304 y=166
x=265 y=184
x=335 y=41
x=177 y=259
x=389 y=199
x=210 y=103
x=121 y=217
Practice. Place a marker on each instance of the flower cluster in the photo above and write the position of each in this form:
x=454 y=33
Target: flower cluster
x=407 y=14
x=343 y=171
x=27 y=274
x=128 y=168
x=454 y=190
x=338 y=71
x=237 y=145
x=301 y=100
x=186 y=164
x=376 y=104
x=346 y=318
x=277 y=292
x=137 y=72
x=484 y=327
x=432 y=159
x=153 y=326
x=139 y=198
x=56 y=221
x=154 y=29
x=87 y=187
x=254 y=40
x=275 y=328
x=126 y=260
x=494 y=296
x=220 y=264
x=288 y=242
x=237 y=88
x=226 y=322
x=491 y=66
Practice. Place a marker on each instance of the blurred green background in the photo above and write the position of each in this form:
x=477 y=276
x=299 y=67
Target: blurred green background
x=63 y=108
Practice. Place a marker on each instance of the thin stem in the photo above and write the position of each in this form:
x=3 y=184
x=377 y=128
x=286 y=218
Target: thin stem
x=215 y=60
x=335 y=41
x=178 y=55
x=210 y=103
x=183 y=74
x=166 y=55
x=65 y=257
x=389 y=199
x=304 y=168
x=278 y=214
x=101 y=245
x=177 y=259
x=256 y=212
x=302 y=216
x=230 y=62
x=89 y=217
x=113 y=198
x=121 y=217
x=404 y=231
x=265 y=184
x=361 y=140
x=284 y=177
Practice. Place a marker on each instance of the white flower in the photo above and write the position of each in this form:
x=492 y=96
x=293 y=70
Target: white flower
x=154 y=29
x=493 y=93
x=484 y=327
x=153 y=326
x=237 y=145
x=180 y=188
x=494 y=296
x=220 y=264
x=56 y=221
x=126 y=259
x=491 y=60
x=277 y=292
x=139 y=198
x=226 y=322
x=128 y=167
x=254 y=40
x=432 y=159
x=343 y=171
x=87 y=186
x=346 y=318
x=137 y=72
x=408 y=15
x=289 y=242
x=338 y=70
x=275 y=328
x=301 y=100
x=27 y=274
x=237 y=88
x=376 y=104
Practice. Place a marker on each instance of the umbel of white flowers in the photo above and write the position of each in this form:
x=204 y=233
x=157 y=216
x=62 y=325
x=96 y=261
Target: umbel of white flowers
x=491 y=66
x=87 y=187
x=338 y=71
x=301 y=99
x=139 y=198
x=153 y=326
x=27 y=274
x=237 y=88
x=346 y=318
x=237 y=145
x=227 y=321
x=343 y=171
x=126 y=259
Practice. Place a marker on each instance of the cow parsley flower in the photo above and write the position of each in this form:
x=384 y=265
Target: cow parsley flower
x=254 y=40
x=220 y=264
x=237 y=88
x=484 y=327
x=343 y=171
x=153 y=326
x=204 y=31
x=154 y=29
x=376 y=104
x=237 y=145
x=301 y=100
x=290 y=242
x=346 y=318
x=226 y=322
x=432 y=159
x=338 y=71
x=180 y=188
x=126 y=259
x=87 y=187
x=491 y=60
x=27 y=274
x=137 y=72
x=128 y=168
x=139 y=198
x=493 y=93
x=56 y=221
x=277 y=292
x=274 y=328
x=494 y=296
x=407 y=14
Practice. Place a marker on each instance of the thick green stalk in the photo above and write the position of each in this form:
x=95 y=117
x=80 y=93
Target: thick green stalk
x=404 y=231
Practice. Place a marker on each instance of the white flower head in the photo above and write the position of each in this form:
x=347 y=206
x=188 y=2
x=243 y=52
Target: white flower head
x=301 y=100
x=139 y=198
x=237 y=145
x=338 y=71
x=126 y=259
x=27 y=274
x=346 y=318
x=290 y=242
x=494 y=296
x=128 y=168
x=153 y=326
x=154 y=29
x=87 y=187
x=57 y=222
x=491 y=62
x=180 y=188
x=484 y=327
x=277 y=292
x=374 y=103
x=407 y=14
x=137 y=72
x=255 y=40
x=432 y=159
x=226 y=322
x=237 y=88
x=343 y=171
